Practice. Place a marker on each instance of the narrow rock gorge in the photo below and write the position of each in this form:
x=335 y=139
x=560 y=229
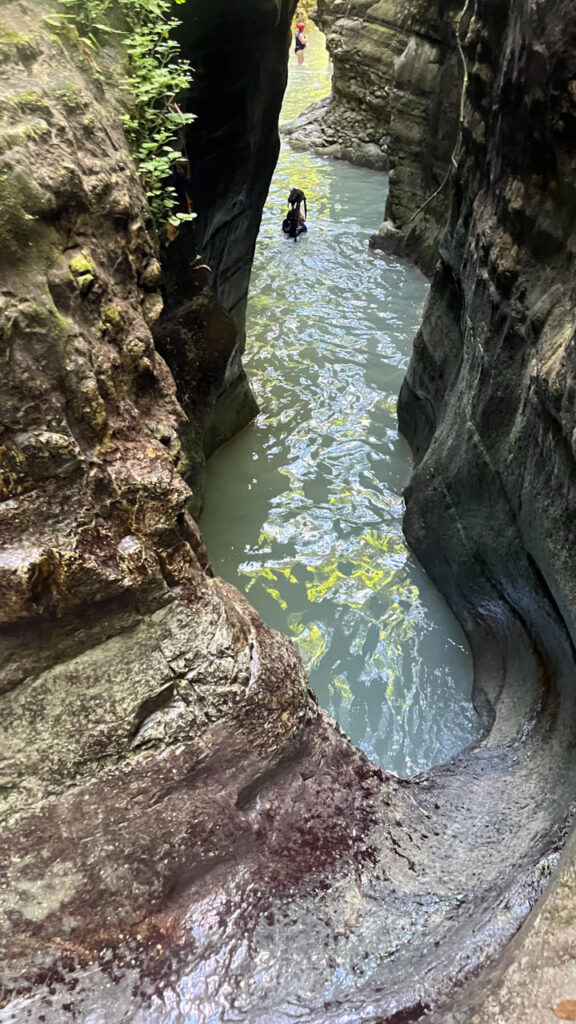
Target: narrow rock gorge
x=395 y=103
x=186 y=836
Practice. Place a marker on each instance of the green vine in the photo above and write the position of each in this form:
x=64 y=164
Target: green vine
x=156 y=76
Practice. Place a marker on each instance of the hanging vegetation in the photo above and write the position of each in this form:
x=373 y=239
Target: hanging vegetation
x=157 y=75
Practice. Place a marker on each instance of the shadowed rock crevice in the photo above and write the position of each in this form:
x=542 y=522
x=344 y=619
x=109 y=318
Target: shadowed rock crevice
x=239 y=61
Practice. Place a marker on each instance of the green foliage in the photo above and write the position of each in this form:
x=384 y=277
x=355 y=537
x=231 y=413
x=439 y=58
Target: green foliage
x=157 y=75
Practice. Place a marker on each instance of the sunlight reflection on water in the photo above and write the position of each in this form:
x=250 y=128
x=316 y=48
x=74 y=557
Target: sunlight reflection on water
x=303 y=510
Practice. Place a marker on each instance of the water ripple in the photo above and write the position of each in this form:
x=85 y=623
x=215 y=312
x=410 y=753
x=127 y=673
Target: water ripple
x=303 y=510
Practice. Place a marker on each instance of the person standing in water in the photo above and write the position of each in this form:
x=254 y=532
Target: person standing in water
x=294 y=223
x=301 y=40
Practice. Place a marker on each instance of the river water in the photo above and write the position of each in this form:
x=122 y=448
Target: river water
x=303 y=509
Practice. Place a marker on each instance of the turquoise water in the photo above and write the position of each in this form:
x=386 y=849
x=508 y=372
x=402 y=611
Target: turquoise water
x=303 y=510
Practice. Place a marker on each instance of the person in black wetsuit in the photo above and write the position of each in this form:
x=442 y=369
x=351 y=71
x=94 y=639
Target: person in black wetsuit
x=301 y=40
x=294 y=223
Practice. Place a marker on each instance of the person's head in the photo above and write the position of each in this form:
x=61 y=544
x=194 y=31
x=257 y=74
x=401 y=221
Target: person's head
x=301 y=26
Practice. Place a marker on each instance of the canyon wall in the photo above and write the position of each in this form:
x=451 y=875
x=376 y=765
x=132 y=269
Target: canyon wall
x=488 y=402
x=122 y=659
x=395 y=104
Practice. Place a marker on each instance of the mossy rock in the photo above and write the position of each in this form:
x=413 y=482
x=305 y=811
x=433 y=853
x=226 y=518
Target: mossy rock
x=71 y=96
x=82 y=264
x=22 y=236
x=85 y=283
x=20 y=135
x=10 y=38
x=38 y=317
x=112 y=317
x=26 y=101
x=84 y=272
x=15 y=42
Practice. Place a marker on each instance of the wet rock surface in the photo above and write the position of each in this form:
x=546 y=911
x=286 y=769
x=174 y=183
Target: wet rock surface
x=488 y=404
x=185 y=836
x=118 y=648
x=322 y=132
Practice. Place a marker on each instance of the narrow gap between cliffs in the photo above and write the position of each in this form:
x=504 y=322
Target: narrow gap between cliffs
x=303 y=509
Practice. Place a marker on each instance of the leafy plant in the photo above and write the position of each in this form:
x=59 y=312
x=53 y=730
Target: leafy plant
x=156 y=76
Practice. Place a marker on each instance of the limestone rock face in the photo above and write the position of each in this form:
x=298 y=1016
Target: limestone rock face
x=395 y=103
x=121 y=659
x=488 y=402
